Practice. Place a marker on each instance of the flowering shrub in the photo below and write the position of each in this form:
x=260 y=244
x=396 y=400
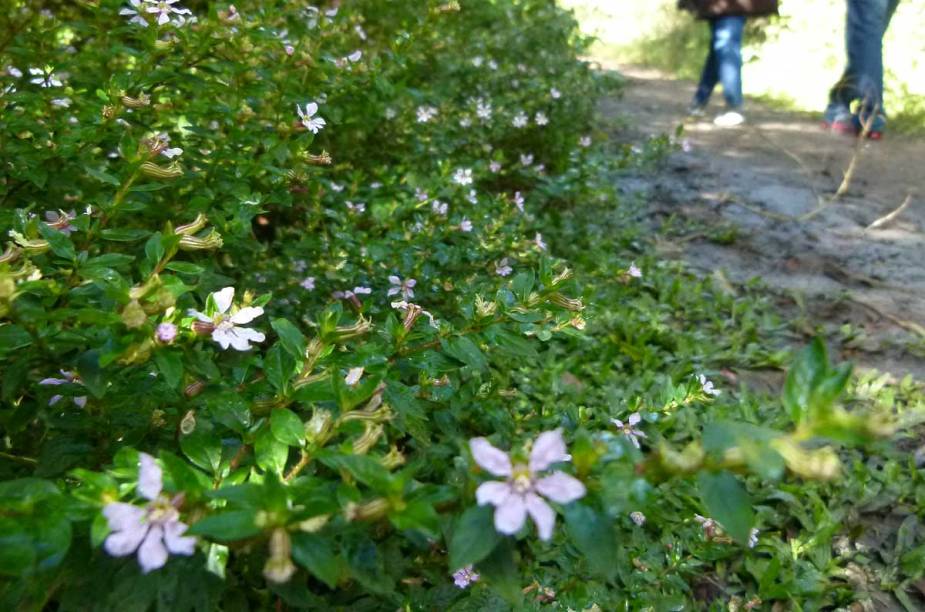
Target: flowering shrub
x=273 y=277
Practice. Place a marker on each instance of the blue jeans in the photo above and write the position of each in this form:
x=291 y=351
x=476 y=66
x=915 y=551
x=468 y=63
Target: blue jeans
x=862 y=80
x=724 y=63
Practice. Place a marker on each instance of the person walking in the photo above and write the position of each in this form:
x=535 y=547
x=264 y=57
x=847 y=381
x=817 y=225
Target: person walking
x=861 y=84
x=724 y=60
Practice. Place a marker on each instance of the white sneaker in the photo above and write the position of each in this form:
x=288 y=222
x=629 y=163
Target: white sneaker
x=729 y=119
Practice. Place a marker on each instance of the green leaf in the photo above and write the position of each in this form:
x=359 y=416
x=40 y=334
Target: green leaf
x=13 y=337
x=287 y=427
x=362 y=467
x=418 y=514
x=805 y=373
x=154 y=249
x=500 y=571
x=170 y=364
x=103 y=177
x=278 y=366
x=466 y=351
x=184 y=267
x=315 y=554
x=727 y=502
x=60 y=242
x=292 y=339
x=474 y=537
x=270 y=453
x=227 y=526
x=203 y=448
x=91 y=374
x=594 y=536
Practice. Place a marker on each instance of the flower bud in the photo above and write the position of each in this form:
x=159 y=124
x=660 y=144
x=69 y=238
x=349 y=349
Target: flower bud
x=31 y=247
x=11 y=254
x=202 y=328
x=484 y=308
x=211 y=242
x=166 y=333
x=318 y=160
x=318 y=428
x=194 y=388
x=568 y=303
x=140 y=102
x=359 y=328
x=371 y=510
x=279 y=567
x=370 y=436
x=315 y=523
x=393 y=459
x=193 y=226
x=133 y=315
x=152 y=170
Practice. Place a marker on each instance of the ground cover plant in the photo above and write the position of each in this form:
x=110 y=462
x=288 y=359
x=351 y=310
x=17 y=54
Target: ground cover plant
x=290 y=318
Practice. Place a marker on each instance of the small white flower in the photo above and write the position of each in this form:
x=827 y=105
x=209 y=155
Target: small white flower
x=526 y=159
x=483 y=110
x=69 y=378
x=61 y=102
x=538 y=241
x=494 y=166
x=309 y=121
x=336 y=188
x=172 y=152
x=439 y=208
x=753 y=538
x=541 y=118
x=44 y=78
x=355 y=56
x=522 y=491
x=492 y=64
x=164 y=10
x=405 y=287
x=362 y=290
x=465 y=122
x=465 y=225
x=426 y=113
x=585 y=141
x=519 y=201
x=353 y=376
x=421 y=195
x=226 y=326
x=154 y=530
x=503 y=268
x=707 y=386
x=477 y=61
x=555 y=94
x=629 y=428
x=463 y=176
x=360 y=32
x=135 y=12
x=462 y=578
x=14 y=72
x=308 y=283
x=633 y=271
x=357 y=208
x=638 y=518
x=520 y=120
x=473 y=196
x=390 y=113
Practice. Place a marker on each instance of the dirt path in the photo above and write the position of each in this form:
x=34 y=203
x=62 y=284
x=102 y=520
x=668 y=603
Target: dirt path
x=756 y=202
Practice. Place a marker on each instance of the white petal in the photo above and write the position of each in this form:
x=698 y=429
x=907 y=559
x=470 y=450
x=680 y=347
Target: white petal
x=246 y=315
x=393 y=291
x=123 y=516
x=176 y=543
x=123 y=543
x=223 y=299
x=492 y=492
x=152 y=554
x=238 y=338
x=549 y=448
x=510 y=516
x=311 y=108
x=634 y=419
x=542 y=514
x=560 y=487
x=199 y=315
x=53 y=381
x=491 y=459
x=394 y=280
x=81 y=401
x=150 y=477
x=161 y=20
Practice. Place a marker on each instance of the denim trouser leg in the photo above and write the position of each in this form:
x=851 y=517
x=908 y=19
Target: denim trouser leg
x=862 y=80
x=724 y=63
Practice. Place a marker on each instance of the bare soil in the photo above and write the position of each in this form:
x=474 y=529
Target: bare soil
x=757 y=202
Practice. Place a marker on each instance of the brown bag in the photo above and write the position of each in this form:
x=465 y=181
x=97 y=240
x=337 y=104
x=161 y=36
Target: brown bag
x=706 y=9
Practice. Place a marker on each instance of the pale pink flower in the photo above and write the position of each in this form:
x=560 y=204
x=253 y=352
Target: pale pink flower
x=629 y=428
x=483 y=109
x=405 y=287
x=638 y=518
x=308 y=283
x=357 y=208
x=463 y=176
x=519 y=201
x=465 y=225
x=61 y=220
x=164 y=10
x=633 y=271
x=166 y=333
x=503 y=268
x=308 y=119
x=153 y=530
x=523 y=490
x=494 y=166
x=226 y=326
x=465 y=576
x=585 y=141
x=69 y=378
x=439 y=208
x=473 y=196
x=707 y=386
